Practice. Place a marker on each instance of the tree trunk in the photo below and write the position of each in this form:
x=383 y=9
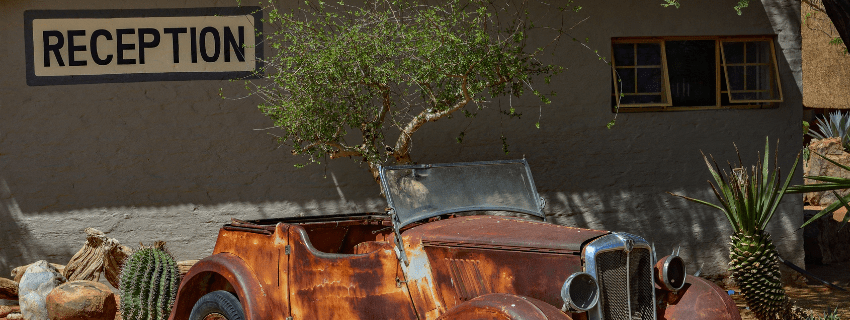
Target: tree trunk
x=839 y=12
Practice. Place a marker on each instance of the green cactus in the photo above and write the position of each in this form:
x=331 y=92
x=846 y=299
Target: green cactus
x=149 y=281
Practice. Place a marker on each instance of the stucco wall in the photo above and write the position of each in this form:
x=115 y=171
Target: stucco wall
x=172 y=161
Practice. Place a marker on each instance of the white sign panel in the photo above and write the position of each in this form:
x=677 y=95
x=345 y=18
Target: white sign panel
x=104 y=46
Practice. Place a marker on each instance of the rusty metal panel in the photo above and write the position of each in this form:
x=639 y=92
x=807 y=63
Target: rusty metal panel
x=344 y=286
x=507 y=232
x=505 y=307
x=699 y=299
x=224 y=271
x=465 y=273
x=261 y=251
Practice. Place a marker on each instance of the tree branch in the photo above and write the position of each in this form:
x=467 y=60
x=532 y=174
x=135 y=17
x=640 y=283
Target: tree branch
x=402 y=146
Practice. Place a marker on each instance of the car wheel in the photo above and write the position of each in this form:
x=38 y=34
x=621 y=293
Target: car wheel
x=217 y=305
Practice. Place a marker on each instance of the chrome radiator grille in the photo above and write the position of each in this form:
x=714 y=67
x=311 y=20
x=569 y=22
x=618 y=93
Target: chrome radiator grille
x=625 y=280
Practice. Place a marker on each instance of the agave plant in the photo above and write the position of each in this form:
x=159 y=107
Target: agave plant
x=749 y=199
x=827 y=183
x=836 y=124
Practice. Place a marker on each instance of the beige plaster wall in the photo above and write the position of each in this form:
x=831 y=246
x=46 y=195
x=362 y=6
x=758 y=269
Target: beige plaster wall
x=172 y=161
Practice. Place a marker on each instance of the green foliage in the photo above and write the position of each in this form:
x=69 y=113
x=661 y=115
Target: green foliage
x=148 y=282
x=827 y=183
x=836 y=124
x=827 y=315
x=741 y=4
x=748 y=199
x=387 y=67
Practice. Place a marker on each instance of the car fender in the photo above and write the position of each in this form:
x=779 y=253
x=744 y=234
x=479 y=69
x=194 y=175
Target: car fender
x=698 y=299
x=504 y=306
x=222 y=271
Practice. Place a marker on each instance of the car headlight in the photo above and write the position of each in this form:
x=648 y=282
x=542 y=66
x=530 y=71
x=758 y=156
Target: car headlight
x=670 y=273
x=580 y=291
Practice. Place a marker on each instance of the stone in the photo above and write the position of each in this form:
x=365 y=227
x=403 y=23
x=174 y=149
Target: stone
x=18 y=272
x=38 y=280
x=81 y=300
x=15 y=316
x=6 y=310
x=817 y=166
x=8 y=289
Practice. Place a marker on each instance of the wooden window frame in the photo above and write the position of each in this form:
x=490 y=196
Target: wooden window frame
x=665 y=81
x=771 y=63
x=719 y=63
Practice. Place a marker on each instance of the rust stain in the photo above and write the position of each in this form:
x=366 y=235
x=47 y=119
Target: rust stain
x=698 y=299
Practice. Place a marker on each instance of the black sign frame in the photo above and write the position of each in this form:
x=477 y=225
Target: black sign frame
x=34 y=80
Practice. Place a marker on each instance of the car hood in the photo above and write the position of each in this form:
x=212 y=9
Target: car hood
x=502 y=233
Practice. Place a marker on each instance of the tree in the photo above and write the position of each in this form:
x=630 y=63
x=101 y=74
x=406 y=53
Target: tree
x=388 y=67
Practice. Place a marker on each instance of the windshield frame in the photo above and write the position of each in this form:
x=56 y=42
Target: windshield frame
x=400 y=222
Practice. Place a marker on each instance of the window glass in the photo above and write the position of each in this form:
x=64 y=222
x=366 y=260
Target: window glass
x=639 y=74
x=692 y=68
x=750 y=71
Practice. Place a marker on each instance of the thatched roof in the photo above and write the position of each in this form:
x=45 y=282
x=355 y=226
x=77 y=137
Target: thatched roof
x=826 y=69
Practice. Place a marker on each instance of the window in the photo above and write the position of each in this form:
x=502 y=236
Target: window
x=687 y=73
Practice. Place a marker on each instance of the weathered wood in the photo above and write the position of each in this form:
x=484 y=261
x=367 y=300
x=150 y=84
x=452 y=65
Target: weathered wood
x=8 y=289
x=839 y=12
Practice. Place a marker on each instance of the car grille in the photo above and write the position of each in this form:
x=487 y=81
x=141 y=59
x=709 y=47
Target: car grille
x=625 y=282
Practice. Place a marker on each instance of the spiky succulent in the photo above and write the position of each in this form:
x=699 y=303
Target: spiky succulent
x=749 y=199
x=148 y=284
x=836 y=124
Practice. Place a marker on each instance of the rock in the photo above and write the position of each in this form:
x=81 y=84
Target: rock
x=81 y=300
x=14 y=316
x=18 y=272
x=817 y=166
x=38 y=280
x=6 y=310
x=8 y=289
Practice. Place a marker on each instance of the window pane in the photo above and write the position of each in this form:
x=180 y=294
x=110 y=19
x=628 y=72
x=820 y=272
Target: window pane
x=758 y=52
x=691 y=67
x=648 y=54
x=627 y=75
x=754 y=78
x=736 y=78
x=734 y=52
x=624 y=54
x=642 y=98
x=649 y=80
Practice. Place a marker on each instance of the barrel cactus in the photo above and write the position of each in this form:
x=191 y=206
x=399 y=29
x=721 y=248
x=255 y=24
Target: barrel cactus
x=148 y=283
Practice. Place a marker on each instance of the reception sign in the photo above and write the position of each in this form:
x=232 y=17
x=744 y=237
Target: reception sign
x=104 y=46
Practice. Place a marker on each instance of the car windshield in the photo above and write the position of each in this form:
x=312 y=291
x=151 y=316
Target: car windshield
x=423 y=191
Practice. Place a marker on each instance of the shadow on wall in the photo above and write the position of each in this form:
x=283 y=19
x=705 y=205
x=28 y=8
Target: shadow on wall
x=17 y=244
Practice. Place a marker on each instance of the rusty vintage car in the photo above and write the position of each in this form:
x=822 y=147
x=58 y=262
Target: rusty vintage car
x=444 y=249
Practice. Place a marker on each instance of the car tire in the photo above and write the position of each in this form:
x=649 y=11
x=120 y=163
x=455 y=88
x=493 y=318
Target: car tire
x=217 y=305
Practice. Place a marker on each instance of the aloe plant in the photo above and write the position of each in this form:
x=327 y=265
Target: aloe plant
x=836 y=124
x=827 y=183
x=749 y=199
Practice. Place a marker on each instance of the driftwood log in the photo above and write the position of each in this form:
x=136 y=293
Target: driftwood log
x=8 y=289
x=99 y=254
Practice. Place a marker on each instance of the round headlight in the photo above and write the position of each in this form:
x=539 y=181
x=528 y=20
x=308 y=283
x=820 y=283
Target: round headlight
x=580 y=291
x=670 y=273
